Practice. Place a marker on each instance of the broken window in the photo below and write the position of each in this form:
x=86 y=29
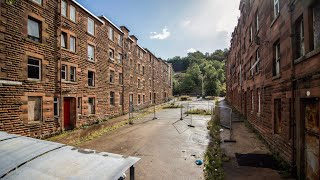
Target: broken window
x=316 y=26
x=277 y=116
x=90 y=52
x=64 y=7
x=90 y=26
x=91 y=78
x=299 y=37
x=276 y=61
x=64 y=40
x=112 y=101
x=91 y=106
x=34 y=69
x=64 y=72
x=111 y=79
x=72 y=74
x=34 y=108
x=72 y=44
x=79 y=105
x=73 y=13
x=34 y=29
x=56 y=107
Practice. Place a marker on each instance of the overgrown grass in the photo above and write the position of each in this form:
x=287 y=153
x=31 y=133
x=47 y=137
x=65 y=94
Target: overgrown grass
x=172 y=106
x=214 y=157
x=199 y=112
x=185 y=98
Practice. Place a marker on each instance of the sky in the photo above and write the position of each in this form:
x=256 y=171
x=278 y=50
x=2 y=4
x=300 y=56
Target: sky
x=171 y=28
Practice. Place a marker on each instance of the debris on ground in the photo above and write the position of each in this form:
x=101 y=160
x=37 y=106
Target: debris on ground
x=199 y=162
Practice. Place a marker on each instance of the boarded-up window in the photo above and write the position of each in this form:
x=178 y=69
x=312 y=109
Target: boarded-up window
x=91 y=106
x=34 y=108
x=277 y=116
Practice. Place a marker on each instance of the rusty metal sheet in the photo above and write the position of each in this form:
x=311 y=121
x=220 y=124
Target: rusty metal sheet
x=19 y=150
x=4 y=136
x=72 y=163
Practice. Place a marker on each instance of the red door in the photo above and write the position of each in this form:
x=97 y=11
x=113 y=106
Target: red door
x=66 y=113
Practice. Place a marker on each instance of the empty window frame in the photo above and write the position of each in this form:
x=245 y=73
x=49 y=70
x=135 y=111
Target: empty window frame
x=90 y=26
x=111 y=77
x=72 y=14
x=277 y=116
x=34 y=29
x=63 y=72
x=91 y=53
x=91 y=105
x=112 y=98
x=91 y=76
x=72 y=74
x=34 y=69
x=299 y=37
x=56 y=107
x=276 y=59
x=34 y=108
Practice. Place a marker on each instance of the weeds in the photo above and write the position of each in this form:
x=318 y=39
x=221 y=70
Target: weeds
x=199 y=111
x=172 y=106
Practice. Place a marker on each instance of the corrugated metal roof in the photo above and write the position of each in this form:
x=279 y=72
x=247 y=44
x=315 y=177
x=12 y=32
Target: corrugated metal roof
x=23 y=157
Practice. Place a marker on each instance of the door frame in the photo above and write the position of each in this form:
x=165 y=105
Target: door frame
x=73 y=113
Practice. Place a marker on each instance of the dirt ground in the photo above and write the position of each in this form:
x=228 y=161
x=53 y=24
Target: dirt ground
x=167 y=150
x=246 y=142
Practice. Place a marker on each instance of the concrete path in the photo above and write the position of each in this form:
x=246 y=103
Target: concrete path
x=246 y=142
x=166 y=149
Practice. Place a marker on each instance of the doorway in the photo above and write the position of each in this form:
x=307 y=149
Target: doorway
x=311 y=135
x=69 y=113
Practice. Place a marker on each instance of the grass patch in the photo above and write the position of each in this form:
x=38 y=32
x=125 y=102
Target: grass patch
x=172 y=106
x=199 y=112
x=214 y=157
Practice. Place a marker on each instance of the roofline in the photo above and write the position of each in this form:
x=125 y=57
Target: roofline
x=125 y=28
x=142 y=48
x=111 y=23
x=86 y=10
x=133 y=36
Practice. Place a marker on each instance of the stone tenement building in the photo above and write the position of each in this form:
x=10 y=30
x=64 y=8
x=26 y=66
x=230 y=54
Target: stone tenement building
x=273 y=77
x=62 y=67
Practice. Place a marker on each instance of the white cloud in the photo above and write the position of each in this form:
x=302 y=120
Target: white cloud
x=186 y=23
x=191 y=50
x=164 y=35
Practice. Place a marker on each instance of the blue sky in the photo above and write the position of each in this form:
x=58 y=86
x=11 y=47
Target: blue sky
x=172 y=27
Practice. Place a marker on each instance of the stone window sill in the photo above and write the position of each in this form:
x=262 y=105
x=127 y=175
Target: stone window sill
x=307 y=56
x=68 y=50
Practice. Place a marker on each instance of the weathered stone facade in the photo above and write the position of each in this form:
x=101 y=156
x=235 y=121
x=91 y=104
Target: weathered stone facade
x=273 y=77
x=63 y=67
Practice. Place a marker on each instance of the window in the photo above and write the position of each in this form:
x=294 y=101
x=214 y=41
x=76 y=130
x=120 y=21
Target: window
x=150 y=82
x=120 y=58
x=259 y=101
x=139 y=83
x=79 y=105
x=251 y=66
x=34 y=69
x=34 y=29
x=316 y=26
x=90 y=26
x=139 y=99
x=143 y=98
x=38 y=1
x=276 y=7
x=143 y=70
x=252 y=101
x=257 y=61
x=72 y=74
x=120 y=99
x=120 y=78
x=130 y=62
x=55 y=107
x=34 y=108
x=299 y=37
x=257 y=21
x=111 y=54
x=150 y=96
x=251 y=34
x=72 y=44
x=90 y=53
x=111 y=76
x=112 y=98
x=139 y=68
x=91 y=106
x=111 y=34
x=120 y=40
x=91 y=78
x=277 y=116
x=276 y=61
x=73 y=13
x=64 y=40
x=131 y=79
x=64 y=72
x=64 y=8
